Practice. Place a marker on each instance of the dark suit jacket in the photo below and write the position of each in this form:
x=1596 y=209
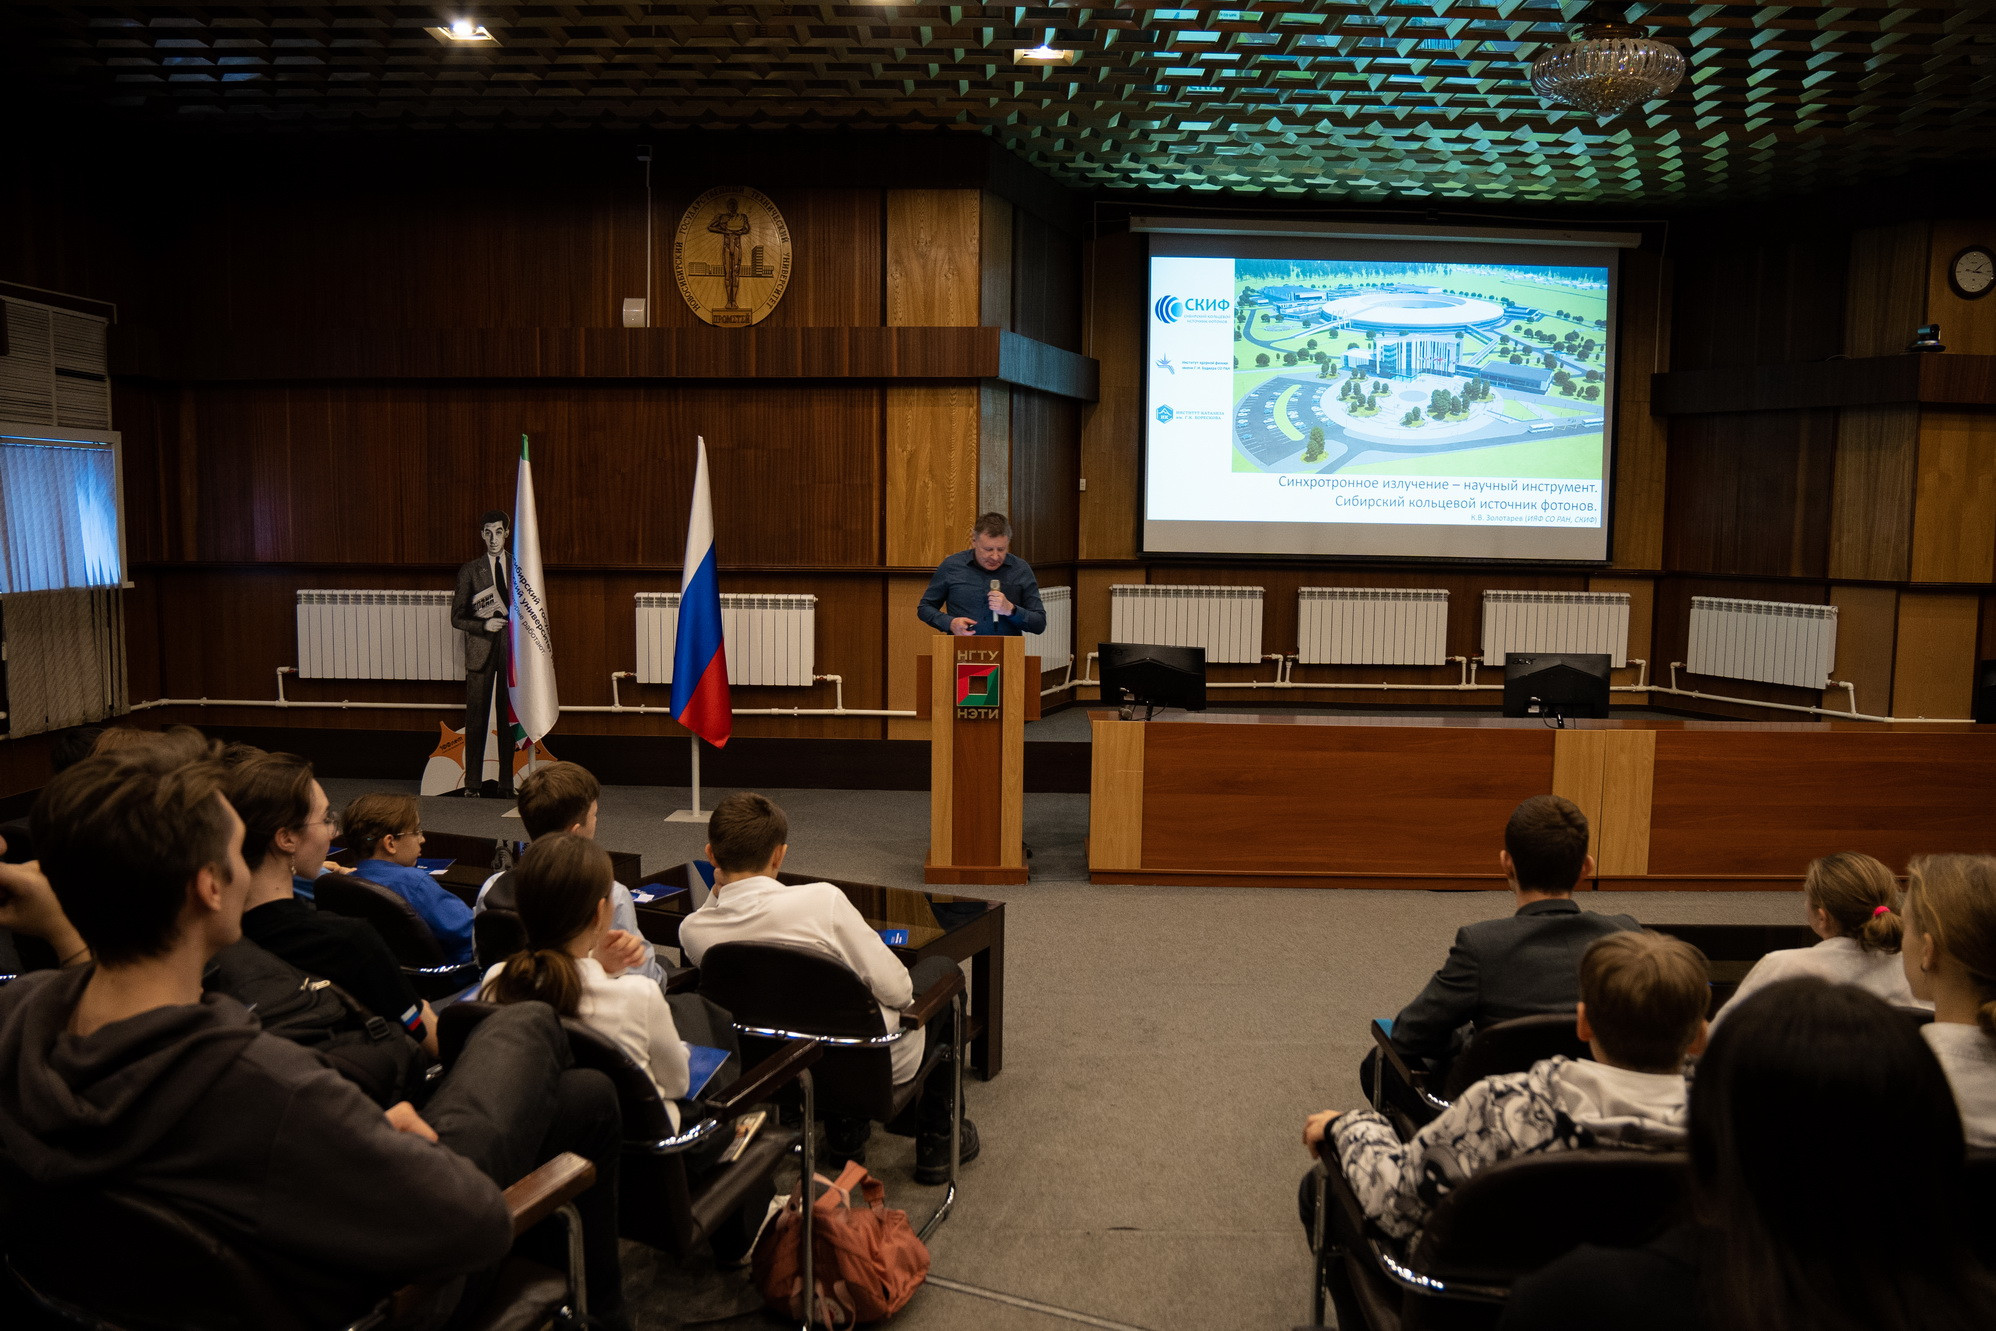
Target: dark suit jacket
x=482 y=650
x=1499 y=969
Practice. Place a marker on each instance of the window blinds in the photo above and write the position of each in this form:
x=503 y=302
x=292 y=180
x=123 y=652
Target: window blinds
x=59 y=513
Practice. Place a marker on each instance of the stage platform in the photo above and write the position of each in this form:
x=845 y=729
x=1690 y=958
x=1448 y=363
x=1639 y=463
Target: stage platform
x=1415 y=801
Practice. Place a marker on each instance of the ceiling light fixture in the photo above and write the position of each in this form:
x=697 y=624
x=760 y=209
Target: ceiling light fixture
x=462 y=30
x=1045 y=55
x=1607 y=69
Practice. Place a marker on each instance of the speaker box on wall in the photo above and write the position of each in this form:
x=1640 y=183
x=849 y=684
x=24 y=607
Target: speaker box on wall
x=1985 y=693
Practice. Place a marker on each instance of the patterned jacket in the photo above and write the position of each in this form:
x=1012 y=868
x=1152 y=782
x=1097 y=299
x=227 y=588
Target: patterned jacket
x=1559 y=1105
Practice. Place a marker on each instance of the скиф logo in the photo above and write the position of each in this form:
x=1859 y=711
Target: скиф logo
x=1170 y=309
x=1164 y=414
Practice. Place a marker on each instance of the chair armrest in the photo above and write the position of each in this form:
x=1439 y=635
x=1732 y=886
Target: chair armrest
x=548 y=1189
x=682 y=979
x=1389 y=1054
x=466 y=971
x=928 y=1004
x=765 y=1078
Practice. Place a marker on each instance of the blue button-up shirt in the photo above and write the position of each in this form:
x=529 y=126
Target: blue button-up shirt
x=448 y=917
x=959 y=589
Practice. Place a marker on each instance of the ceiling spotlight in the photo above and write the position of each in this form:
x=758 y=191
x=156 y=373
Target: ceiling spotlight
x=1045 y=55
x=462 y=30
x=1607 y=69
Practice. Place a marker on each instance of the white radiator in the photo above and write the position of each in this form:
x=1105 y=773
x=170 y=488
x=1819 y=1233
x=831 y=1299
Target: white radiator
x=1555 y=622
x=377 y=635
x=1776 y=642
x=1056 y=644
x=1226 y=621
x=1371 y=626
x=770 y=639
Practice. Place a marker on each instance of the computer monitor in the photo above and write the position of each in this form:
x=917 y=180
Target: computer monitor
x=1561 y=685
x=1154 y=676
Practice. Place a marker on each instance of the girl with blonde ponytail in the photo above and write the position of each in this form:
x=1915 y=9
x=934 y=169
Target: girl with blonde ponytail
x=574 y=962
x=1851 y=901
x=1950 y=959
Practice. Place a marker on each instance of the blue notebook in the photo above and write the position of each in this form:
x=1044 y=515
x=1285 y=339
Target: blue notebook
x=894 y=937
x=702 y=1062
x=434 y=867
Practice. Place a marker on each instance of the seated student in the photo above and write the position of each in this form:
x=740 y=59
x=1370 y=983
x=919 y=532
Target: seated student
x=387 y=832
x=120 y=1072
x=1849 y=900
x=1642 y=1012
x=181 y=744
x=1523 y=964
x=747 y=839
x=288 y=823
x=1793 y=1227
x=1950 y=960
x=561 y=888
x=562 y=797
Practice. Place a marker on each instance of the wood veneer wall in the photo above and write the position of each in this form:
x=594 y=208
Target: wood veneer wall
x=241 y=492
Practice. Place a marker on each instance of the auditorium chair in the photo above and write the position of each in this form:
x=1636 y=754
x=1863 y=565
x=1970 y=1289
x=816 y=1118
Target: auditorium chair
x=114 y=1260
x=407 y=935
x=498 y=934
x=1504 y=1046
x=1502 y=1224
x=780 y=993
x=1981 y=1216
x=1731 y=949
x=660 y=1204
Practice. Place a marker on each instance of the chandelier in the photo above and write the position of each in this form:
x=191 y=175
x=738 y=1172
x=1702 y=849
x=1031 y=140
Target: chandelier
x=1608 y=69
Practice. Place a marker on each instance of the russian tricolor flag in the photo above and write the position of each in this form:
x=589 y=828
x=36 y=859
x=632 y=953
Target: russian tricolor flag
x=699 y=656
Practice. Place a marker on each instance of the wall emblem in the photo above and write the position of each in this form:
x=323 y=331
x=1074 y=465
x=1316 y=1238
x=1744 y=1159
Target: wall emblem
x=731 y=256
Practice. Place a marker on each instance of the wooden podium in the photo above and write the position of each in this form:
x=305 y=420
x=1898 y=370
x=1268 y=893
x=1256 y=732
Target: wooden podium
x=977 y=694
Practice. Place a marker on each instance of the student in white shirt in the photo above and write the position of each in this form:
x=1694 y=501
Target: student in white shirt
x=1950 y=959
x=1850 y=902
x=574 y=964
x=747 y=840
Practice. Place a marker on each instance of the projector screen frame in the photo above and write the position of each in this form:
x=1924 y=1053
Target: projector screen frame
x=1245 y=235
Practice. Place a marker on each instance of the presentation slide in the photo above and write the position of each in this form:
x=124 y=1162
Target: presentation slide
x=1388 y=406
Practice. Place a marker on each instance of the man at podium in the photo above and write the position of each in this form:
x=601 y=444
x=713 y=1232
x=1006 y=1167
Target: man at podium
x=985 y=591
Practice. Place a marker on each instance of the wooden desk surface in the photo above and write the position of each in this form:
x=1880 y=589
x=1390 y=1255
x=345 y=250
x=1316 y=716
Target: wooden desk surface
x=1223 y=798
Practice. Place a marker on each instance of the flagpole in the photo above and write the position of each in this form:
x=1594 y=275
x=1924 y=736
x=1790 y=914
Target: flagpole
x=695 y=814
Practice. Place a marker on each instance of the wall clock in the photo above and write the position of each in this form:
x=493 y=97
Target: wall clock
x=1972 y=273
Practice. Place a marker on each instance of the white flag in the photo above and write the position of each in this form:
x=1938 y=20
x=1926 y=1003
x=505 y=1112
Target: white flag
x=530 y=662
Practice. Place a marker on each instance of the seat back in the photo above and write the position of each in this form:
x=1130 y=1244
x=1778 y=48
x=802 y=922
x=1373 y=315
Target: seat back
x=407 y=936
x=1513 y=1218
x=131 y=1262
x=1979 y=1186
x=780 y=987
x=1513 y=1046
x=655 y=1197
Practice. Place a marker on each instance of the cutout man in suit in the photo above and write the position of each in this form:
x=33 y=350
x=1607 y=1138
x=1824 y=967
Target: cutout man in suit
x=480 y=609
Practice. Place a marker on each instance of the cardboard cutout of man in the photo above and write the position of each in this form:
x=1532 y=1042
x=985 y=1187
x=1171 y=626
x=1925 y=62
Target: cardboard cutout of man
x=480 y=610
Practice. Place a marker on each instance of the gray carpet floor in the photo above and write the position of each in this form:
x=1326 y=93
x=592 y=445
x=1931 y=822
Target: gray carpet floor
x=1163 y=1045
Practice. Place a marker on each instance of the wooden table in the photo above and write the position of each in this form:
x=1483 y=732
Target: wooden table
x=1314 y=801
x=938 y=924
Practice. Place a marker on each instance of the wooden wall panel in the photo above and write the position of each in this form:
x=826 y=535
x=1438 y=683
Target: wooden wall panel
x=994 y=448
x=1091 y=617
x=906 y=637
x=1641 y=440
x=1867 y=636
x=1045 y=463
x=1642 y=625
x=1046 y=282
x=997 y=255
x=1888 y=288
x=1954 y=510
x=1750 y=294
x=1933 y=670
x=933 y=257
x=1750 y=493
x=931 y=471
x=1871 y=517
x=368 y=474
x=1967 y=326
x=1111 y=429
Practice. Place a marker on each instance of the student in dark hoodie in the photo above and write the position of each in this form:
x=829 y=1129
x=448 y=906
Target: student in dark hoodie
x=117 y=1071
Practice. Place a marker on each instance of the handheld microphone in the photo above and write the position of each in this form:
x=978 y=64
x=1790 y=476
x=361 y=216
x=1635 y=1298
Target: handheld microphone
x=994 y=609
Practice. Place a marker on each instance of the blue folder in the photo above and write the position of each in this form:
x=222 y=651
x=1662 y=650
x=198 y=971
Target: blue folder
x=702 y=1062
